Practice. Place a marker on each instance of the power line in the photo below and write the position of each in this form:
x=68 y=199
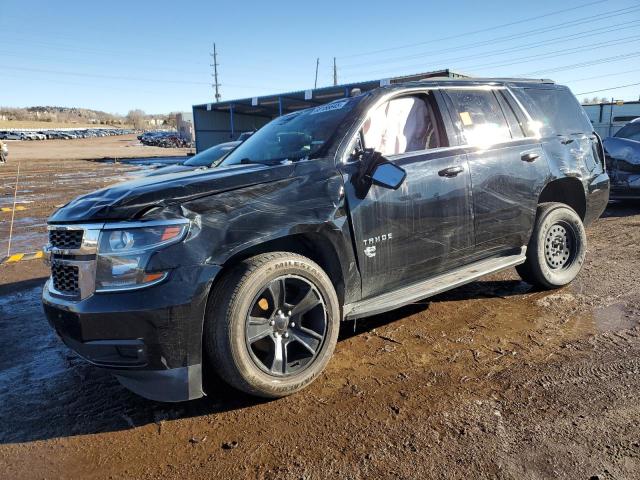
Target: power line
x=583 y=34
x=466 y=34
x=580 y=65
x=552 y=54
x=118 y=77
x=601 y=76
x=612 y=88
x=111 y=77
x=559 y=53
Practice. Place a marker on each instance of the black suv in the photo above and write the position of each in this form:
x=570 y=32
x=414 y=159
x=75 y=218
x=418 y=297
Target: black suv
x=336 y=212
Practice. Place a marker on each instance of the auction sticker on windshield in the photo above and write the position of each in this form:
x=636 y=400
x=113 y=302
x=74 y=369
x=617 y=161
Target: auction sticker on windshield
x=329 y=107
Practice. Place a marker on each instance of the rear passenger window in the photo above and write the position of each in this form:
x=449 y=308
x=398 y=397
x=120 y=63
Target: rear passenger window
x=479 y=117
x=559 y=111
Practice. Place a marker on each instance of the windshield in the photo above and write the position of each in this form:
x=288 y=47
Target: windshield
x=297 y=136
x=630 y=131
x=211 y=155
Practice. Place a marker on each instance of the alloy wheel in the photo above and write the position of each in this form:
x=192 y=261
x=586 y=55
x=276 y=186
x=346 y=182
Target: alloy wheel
x=286 y=326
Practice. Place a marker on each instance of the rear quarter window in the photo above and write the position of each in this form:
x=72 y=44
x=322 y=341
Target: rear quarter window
x=557 y=109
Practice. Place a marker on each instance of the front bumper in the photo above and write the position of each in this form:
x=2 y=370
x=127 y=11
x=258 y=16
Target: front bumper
x=151 y=339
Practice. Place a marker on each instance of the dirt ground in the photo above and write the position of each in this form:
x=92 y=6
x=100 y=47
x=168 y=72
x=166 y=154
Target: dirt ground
x=492 y=380
x=52 y=172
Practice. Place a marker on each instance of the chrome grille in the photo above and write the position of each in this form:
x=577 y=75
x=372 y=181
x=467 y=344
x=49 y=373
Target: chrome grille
x=65 y=239
x=65 y=278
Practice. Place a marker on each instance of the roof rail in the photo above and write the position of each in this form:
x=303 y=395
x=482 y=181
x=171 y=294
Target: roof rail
x=486 y=79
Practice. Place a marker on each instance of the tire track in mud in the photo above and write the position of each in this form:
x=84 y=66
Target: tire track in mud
x=607 y=359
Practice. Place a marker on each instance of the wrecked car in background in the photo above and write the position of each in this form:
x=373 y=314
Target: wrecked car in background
x=203 y=160
x=61 y=134
x=337 y=212
x=623 y=161
x=162 y=138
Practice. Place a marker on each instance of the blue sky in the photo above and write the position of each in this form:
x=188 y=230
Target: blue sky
x=116 y=55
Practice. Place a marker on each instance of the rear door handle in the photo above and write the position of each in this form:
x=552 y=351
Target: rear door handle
x=529 y=157
x=451 y=171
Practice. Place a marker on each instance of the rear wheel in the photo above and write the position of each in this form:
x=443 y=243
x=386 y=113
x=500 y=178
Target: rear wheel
x=557 y=248
x=272 y=324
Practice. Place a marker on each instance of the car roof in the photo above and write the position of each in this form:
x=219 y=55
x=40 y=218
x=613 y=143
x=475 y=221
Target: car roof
x=467 y=82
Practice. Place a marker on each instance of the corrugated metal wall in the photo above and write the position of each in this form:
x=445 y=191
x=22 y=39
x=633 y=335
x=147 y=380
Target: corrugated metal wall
x=213 y=127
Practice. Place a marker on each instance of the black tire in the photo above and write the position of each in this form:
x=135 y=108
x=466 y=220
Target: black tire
x=557 y=247
x=250 y=293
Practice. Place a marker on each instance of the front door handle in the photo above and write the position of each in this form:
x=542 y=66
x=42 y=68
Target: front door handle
x=451 y=171
x=529 y=157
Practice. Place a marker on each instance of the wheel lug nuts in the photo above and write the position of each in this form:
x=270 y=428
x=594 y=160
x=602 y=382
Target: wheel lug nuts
x=272 y=323
x=286 y=335
x=289 y=313
x=293 y=324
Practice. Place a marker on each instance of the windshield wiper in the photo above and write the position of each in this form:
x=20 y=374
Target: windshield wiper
x=248 y=161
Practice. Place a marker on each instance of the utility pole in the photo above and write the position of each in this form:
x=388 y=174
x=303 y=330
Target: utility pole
x=335 y=72
x=610 y=115
x=216 y=84
x=315 y=84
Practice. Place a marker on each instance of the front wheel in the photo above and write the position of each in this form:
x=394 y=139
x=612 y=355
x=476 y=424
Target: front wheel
x=272 y=324
x=557 y=248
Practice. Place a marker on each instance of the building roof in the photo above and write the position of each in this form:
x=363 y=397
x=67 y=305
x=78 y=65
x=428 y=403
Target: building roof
x=280 y=103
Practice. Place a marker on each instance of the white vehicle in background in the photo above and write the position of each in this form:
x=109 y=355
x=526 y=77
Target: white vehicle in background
x=4 y=152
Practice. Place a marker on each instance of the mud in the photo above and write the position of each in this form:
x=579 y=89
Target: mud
x=492 y=380
x=52 y=172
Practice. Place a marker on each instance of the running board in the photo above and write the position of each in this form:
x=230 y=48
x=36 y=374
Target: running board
x=431 y=287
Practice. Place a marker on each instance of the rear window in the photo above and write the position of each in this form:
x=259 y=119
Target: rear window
x=557 y=109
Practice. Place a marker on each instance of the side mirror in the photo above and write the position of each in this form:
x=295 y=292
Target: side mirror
x=388 y=175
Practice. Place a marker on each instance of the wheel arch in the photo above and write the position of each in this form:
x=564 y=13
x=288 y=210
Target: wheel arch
x=569 y=191
x=314 y=245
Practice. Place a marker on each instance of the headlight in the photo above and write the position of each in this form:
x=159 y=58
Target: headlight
x=123 y=255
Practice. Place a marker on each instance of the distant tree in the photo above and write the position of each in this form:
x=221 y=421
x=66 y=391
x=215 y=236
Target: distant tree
x=137 y=119
x=170 y=120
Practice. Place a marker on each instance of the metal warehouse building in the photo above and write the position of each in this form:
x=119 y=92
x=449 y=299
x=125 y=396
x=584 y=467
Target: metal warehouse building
x=224 y=121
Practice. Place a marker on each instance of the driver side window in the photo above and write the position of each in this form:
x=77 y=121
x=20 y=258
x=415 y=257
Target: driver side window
x=402 y=125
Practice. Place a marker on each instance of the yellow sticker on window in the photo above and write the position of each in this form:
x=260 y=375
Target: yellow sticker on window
x=466 y=118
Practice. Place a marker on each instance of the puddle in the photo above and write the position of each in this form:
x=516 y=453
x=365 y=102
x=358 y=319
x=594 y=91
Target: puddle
x=614 y=317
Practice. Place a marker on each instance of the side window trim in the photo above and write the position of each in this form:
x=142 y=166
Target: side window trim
x=452 y=132
x=514 y=123
x=444 y=110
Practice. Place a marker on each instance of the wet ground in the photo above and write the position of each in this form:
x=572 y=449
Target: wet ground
x=492 y=380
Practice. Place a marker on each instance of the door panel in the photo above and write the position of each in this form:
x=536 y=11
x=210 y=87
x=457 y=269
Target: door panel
x=508 y=171
x=507 y=181
x=421 y=229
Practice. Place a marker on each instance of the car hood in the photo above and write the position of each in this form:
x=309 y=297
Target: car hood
x=127 y=200
x=171 y=169
x=622 y=149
